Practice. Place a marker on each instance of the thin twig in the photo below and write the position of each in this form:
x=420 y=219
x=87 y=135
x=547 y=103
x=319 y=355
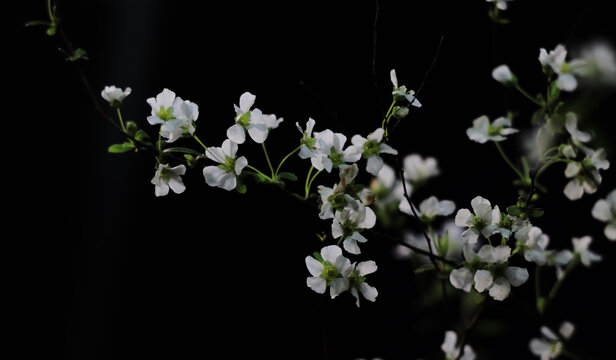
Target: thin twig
x=412 y=247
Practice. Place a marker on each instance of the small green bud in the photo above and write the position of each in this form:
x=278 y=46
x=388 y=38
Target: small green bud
x=400 y=112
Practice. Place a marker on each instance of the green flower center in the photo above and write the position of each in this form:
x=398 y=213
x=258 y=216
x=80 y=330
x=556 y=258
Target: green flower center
x=371 y=148
x=308 y=141
x=478 y=223
x=229 y=165
x=355 y=280
x=165 y=114
x=330 y=273
x=243 y=120
x=336 y=157
x=338 y=201
x=494 y=130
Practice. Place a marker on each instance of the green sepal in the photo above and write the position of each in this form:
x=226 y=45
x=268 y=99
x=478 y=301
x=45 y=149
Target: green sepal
x=241 y=188
x=121 y=148
x=190 y=160
x=318 y=256
x=288 y=176
x=424 y=268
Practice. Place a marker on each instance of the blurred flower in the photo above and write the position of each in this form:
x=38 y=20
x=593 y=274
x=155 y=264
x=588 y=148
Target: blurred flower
x=503 y=75
x=549 y=346
x=605 y=210
x=484 y=131
x=452 y=352
x=580 y=248
x=418 y=170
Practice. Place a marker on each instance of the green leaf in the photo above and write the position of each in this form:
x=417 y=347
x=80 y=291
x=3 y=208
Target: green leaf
x=181 y=150
x=141 y=135
x=121 y=148
x=514 y=210
x=534 y=212
x=288 y=176
x=538 y=116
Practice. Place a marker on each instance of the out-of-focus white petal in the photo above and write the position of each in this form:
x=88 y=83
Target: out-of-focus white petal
x=516 y=275
x=483 y=280
x=461 y=279
x=500 y=289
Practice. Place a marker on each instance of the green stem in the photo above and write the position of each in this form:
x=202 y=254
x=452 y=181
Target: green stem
x=508 y=161
x=309 y=180
x=258 y=172
x=199 y=141
x=50 y=11
x=557 y=285
x=527 y=95
x=285 y=159
x=269 y=163
x=388 y=115
x=121 y=121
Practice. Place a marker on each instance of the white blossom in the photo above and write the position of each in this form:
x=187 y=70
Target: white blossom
x=369 y=148
x=484 y=221
x=349 y=223
x=401 y=91
x=168 y=177
x=417 y=170
x=358 y=284
x=329 y=153
x=554 y=62
x=429 y=208
x=252 y=121
x=577 y=136
x=585 y=175
x=308 y=141
x=114 y=96
x=605 y=210
x=225 y=174
x=549 y=346
x=162 y=107
x=462 y=279
x=535 y=243
x=452 y=352
x=599 y=61
x=501 y=4
x=503 y=75
x=580 y=248
x=332 y=269
x=483 y=130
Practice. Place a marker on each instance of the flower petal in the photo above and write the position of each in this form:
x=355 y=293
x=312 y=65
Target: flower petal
x=236 y=134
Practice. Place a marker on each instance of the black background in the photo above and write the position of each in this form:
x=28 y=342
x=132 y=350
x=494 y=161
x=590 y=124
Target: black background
x=102 y=269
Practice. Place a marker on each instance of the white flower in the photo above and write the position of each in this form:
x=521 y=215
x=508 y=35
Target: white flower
x=500 y=287
x=370 y=148
x=554 y=62
x=580 y=248
x=166 y=177
x=585 y=175
x=503 y=75
x=484 y=131
x=401 y=91
x=484 y=222
x=501 y=4
x=332 y=269
x=185 y=113
x=357 y=281
x=577 y=136
x=349 y=222
x=224 y=175
x=430 y=208
x=605 y=210
x=417 y=169
x=308 y=142
x=599 y=63
x=550 y=346
x=462 y=279
x=162 y=107
x=535 y=243
x=452 y=352
x=329 y=152
x=252 y=121
x=115 y=95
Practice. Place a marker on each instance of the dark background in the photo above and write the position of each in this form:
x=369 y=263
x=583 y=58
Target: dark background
x=102 y=269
